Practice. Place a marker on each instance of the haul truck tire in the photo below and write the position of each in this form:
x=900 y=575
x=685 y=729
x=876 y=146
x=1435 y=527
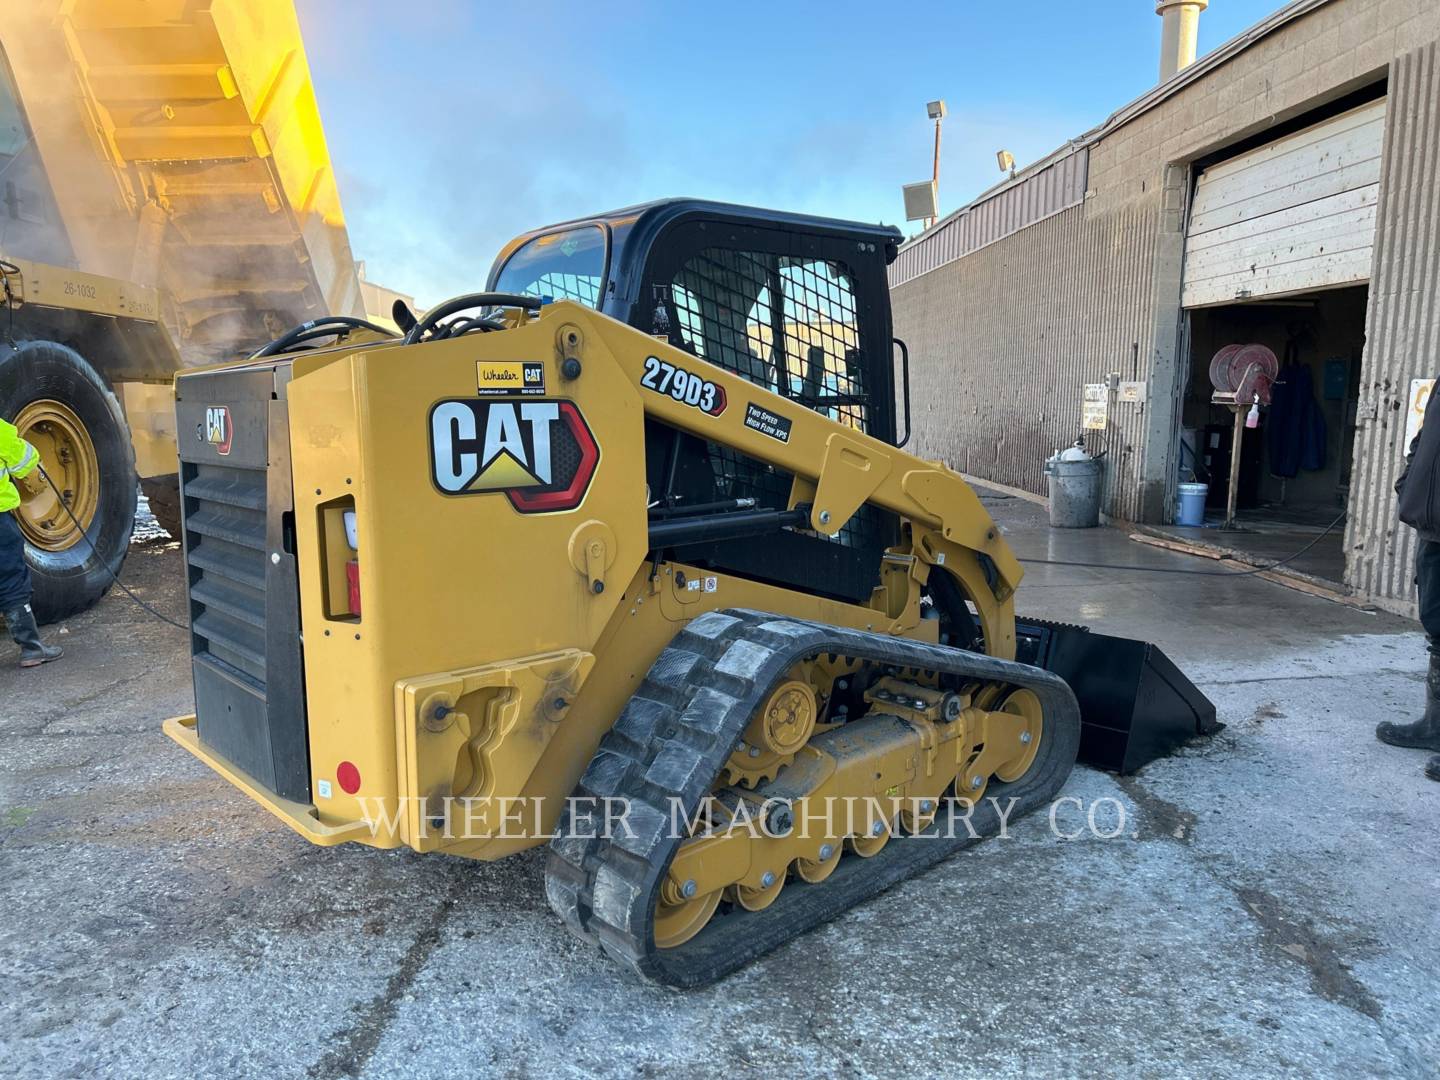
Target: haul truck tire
x=66 y=411
x=163 y=495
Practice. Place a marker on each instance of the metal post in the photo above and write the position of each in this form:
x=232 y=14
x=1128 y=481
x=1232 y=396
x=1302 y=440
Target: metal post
x=1233 y=494
x=935 y=173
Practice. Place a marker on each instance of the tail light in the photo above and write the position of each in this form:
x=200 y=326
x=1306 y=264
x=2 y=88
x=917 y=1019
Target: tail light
x=352 y=585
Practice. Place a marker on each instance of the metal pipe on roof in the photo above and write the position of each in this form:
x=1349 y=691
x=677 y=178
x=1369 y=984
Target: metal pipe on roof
x=1178 y=34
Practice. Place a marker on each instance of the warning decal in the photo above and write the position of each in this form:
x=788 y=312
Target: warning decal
x=767 y=422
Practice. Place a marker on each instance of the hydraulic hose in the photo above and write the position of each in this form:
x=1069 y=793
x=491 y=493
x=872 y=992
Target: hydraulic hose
x=461 y=327
x=462 y=303
x=327 y=324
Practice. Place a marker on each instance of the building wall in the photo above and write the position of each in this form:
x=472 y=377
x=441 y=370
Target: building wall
x=1402 y=330
x=998 y=354
x=1047 y=189
x=1003 y=339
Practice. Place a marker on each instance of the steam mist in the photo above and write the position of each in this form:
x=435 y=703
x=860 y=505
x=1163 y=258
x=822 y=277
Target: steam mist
x=239 y=227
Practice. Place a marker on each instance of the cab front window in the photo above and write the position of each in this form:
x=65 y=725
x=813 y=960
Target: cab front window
x=564 y=265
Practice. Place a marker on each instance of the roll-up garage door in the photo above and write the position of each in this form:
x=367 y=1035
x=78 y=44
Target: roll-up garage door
x=1291 y=216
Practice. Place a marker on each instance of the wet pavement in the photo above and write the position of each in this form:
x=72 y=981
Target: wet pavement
x=1268 y=906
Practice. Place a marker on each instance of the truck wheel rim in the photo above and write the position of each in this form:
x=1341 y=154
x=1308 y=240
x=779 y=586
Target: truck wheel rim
x=68 y=455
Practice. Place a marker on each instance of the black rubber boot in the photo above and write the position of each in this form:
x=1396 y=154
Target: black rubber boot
x=1423 y=734
x=1432 y=768
x=24 y=632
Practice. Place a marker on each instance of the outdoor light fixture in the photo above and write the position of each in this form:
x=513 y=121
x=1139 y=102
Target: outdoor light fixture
x=920 y=201
x=936 y=111
x=1006 y=161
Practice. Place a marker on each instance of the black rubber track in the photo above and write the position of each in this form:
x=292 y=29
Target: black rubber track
x=669 y=746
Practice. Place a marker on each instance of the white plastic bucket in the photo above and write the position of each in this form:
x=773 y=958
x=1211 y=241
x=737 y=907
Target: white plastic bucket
x=1192 y=504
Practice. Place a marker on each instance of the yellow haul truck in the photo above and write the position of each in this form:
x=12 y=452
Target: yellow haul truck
x=166 y=200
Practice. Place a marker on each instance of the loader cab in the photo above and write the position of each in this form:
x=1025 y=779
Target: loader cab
x=799 y=305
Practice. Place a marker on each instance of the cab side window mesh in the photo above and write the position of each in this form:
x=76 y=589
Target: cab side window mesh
x=582 y=288
x=787 y=323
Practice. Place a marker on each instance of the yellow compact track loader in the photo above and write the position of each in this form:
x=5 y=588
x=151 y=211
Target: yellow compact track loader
x=623 y=556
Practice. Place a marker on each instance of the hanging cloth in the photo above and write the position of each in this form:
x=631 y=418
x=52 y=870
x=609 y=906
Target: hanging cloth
x=1295 y=433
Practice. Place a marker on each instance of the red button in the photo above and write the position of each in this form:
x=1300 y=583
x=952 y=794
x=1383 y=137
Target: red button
x=348 y=777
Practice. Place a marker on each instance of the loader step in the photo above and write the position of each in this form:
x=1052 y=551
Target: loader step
x=670 y=746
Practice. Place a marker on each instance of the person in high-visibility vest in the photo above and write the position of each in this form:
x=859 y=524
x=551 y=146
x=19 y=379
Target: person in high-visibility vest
x=17 y=460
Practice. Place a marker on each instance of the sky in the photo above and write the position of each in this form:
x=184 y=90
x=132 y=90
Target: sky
x=453 y=126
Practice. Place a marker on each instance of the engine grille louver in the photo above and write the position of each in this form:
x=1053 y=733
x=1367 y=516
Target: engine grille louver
x=226 y=521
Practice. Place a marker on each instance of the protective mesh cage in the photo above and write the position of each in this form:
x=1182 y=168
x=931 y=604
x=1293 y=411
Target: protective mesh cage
x=582 y=288
x=790 y=324
x=786 y=323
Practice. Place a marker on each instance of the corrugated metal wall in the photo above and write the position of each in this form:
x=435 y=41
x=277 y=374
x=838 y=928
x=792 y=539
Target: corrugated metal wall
x=1074 y=290
x=1057 y=186
x=1402 y=332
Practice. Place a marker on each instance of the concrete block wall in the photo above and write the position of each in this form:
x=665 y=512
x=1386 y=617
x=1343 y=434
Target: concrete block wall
x=1402 y=330
x=1003 y=339
x=999 y=352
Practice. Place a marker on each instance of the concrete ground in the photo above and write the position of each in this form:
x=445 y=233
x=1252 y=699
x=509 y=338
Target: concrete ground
x=1268 y=909
x=1269 y=534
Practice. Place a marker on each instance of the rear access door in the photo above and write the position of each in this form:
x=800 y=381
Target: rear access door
x=235 y=484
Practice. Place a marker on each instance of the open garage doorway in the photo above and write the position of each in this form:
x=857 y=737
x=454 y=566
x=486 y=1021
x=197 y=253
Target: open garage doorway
x=1295 y=465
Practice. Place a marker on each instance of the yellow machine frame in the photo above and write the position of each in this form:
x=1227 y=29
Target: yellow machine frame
x=470 y=684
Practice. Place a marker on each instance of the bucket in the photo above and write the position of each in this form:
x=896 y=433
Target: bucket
x=1192 y=504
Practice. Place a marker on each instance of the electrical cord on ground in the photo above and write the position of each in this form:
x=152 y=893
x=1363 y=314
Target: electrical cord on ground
x=120 y=584
x=1046 y=562
x=1197 y=573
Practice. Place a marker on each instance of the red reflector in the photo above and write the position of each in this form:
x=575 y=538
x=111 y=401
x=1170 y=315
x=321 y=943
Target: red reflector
x=348 y=777
x=352 y=585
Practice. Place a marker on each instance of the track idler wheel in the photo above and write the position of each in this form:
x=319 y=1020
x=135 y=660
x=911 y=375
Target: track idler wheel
x=1026 y=735
x=679 y=917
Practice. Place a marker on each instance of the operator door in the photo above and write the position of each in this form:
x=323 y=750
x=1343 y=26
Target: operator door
x=805 y=316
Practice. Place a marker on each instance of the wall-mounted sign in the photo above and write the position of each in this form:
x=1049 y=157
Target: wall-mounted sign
x=1132 y=391
x=1095 y=409
x=1415 y=414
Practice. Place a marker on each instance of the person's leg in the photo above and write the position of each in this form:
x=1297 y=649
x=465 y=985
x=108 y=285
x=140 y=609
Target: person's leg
x=1427 y=581
x=15 y=597
x=1424 y=734
x=14 y=574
